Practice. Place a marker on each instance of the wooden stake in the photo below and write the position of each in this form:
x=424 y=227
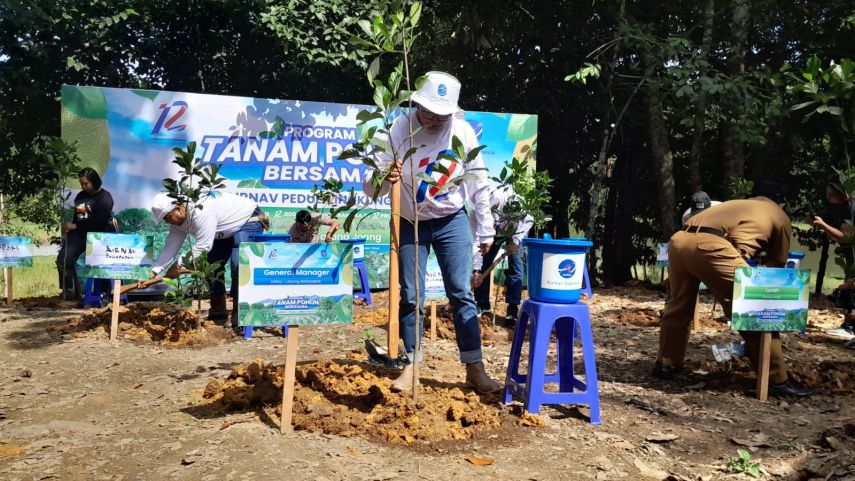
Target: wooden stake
x=7 y=273
x=288 y=384
x=114 y=322
x=763 y=365
x=696 y=320
x=394 y=285
x=433 y=320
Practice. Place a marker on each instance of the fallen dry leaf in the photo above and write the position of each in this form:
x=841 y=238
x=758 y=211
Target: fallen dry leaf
x=758 y=441
x=10 y=450
x=479 y=461
x=658 y=437
x=648 y=472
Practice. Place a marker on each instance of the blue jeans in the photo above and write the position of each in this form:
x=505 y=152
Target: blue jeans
x=227 y=249
x=451 y=237
x=513 y=278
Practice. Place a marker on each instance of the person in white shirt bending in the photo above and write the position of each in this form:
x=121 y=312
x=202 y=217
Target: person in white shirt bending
x=219 y=227
x=510 y=234
x=443 y=222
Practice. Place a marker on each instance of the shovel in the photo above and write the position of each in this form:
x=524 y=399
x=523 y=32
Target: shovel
x=152 y=281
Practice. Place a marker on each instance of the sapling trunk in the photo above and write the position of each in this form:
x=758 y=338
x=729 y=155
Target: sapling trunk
x=415 y=227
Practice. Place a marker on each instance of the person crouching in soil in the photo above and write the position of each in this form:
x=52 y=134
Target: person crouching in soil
x=708 y=249
x=219 y=227
x=304 y=230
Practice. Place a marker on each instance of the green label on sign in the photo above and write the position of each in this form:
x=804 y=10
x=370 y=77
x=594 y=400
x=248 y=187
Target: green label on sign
x=772 y=293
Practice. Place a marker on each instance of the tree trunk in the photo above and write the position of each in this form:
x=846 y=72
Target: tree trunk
x=701 y=105
x=820 y=272
x=733 y=148
x=602 y=157
x=618 y=255
x=663 y=162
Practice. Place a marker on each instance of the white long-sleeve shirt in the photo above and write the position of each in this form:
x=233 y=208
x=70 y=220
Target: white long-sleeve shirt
x=520 y=229
x=222 y=215
x=432 y=201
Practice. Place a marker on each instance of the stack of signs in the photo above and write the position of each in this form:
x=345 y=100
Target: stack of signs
x=769 y=299
x=295 y=284
x=118 y=256
x=434 y=288
x=15 y=252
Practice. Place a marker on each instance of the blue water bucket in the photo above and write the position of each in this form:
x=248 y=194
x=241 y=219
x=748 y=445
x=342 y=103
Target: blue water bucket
x=752 y=262
x=358 y=248
x=270 y=238
x=556 y=268
x=794 y=259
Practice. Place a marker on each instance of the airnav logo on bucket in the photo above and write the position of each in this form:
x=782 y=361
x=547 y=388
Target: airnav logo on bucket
x=567 y=269
x=441 y=90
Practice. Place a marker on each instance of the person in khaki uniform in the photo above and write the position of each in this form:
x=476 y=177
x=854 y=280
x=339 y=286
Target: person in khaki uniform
x=708 y=249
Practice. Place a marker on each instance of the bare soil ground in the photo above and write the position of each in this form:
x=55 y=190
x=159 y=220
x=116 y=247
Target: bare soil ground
x=170 y=401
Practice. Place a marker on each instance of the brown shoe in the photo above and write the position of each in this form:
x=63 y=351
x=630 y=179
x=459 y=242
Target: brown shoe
x=218 y=311
x=476 y=377
x=404 y=382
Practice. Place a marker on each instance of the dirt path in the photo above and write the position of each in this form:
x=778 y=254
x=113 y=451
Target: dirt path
x=77 y=407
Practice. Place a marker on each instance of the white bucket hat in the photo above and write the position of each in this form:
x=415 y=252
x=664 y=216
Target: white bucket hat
x=439 y=93
x=161 y=205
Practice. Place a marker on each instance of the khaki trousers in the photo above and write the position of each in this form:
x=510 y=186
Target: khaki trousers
x=707 y=258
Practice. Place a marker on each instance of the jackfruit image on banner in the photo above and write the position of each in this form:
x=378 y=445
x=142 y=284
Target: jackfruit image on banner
x=84 y=121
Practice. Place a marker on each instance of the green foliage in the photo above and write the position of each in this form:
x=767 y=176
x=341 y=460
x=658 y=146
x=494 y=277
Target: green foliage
x=531 y=194
x=744 y=464
x=327 y=196
x=195 y=183
x=739 y=188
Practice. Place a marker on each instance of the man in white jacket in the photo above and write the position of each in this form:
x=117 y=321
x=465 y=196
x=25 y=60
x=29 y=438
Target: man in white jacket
x=509 y=233
x=224 y=221
x=443 y=222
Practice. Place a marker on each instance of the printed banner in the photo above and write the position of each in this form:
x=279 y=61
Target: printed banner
x=283 y=283
x=117 y=256
x=434 y=288
x=272 y=151
x=770 y=299
x=16 y=252
x=662 y=254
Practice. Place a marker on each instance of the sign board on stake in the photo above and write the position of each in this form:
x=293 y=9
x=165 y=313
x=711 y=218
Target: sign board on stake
x=117 y=257
x=292 y=284
x=769 y=300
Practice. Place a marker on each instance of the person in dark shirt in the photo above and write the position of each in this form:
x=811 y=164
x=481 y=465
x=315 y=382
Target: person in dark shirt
x=93 y=212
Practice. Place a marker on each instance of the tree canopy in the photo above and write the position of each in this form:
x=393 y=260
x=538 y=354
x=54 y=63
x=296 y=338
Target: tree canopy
x=640 y=103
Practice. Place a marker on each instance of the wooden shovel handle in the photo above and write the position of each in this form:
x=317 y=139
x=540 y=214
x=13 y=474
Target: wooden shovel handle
x=150 y=282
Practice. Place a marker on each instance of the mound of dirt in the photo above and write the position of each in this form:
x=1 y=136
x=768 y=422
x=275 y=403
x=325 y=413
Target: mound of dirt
x=351 y=400
x=158 y=322
x=829 y=377
x=44 y=302
x=638 y=317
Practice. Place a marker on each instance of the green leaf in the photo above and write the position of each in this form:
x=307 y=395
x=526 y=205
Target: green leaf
x=373 y=69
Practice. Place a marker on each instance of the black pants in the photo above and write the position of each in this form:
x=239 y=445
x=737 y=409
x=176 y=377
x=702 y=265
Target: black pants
x=73 y=246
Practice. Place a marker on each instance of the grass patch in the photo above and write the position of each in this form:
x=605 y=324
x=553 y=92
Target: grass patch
x=39 y=280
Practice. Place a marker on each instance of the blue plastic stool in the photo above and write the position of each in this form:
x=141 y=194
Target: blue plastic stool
x=247 y=330
x=365 y=291
x=95 y=288
x=586 y=289
x=565 y=318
